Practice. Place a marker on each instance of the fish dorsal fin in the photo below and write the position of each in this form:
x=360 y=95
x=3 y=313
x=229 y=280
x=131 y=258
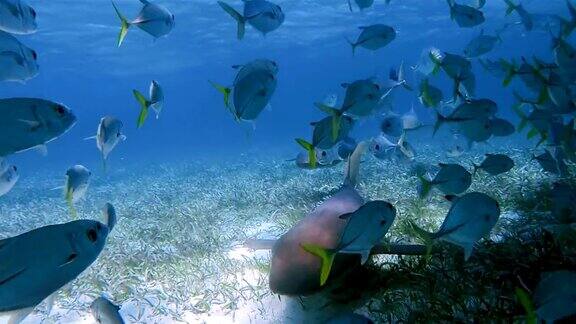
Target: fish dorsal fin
x=145 y=2
x=237 y=66
x=353 y=165
x=345 y=85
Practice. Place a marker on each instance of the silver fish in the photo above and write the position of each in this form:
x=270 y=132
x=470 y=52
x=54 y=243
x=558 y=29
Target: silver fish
x=495 y=164
x=105 y=312
x=156 y=102
x=26 y=123
x=16 y=17
x=17 y=61
x=263 y=15
x=39 y=262
x=252 y=90
x=465 y=16
x=470 y=218
x=374 y=37
x=76 y=185
x=108 y=135
x=154 y=19
x=452 y=179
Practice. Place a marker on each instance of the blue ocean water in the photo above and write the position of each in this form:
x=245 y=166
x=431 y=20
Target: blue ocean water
x=81 y=67
x=197 y=142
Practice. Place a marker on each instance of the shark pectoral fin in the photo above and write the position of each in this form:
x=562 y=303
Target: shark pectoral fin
x=364 y=256
x=468 y=251
x=17 y=316
x=33 y=124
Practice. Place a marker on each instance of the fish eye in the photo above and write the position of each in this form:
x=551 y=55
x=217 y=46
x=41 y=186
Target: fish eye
x=323 y=153
x=34 y=55
x=377 y=147
x=60 y=110
x=92 y=235
x=14 y=168
x=383 y=222
x=33 y=12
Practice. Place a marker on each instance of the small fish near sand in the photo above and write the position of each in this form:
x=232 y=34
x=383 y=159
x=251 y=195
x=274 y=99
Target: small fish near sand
x=76 y=185
x=452 y=179
x=471 y=217
x=105 y=312
x=495 y=164
x=43 y=260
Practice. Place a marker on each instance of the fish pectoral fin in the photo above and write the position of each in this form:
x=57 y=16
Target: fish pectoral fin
x=468 y=251
x=32 y=123
x=444 y=232
x=17 y=316
x=70 y=259
x=90 y=138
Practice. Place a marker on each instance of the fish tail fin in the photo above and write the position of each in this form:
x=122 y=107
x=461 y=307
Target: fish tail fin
x=526 y=302
x=426 y=187
x=336 y=118
x=326 y=256
x=522 y=115
x=510 y=72
x=144 y=105
x=70 y=202
x=124 y=25
x=353 y=165
x=426 y=237
x=440 y=120
x=237 y=16
x=311 y=152
x=511 y=6
x=225 y=91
